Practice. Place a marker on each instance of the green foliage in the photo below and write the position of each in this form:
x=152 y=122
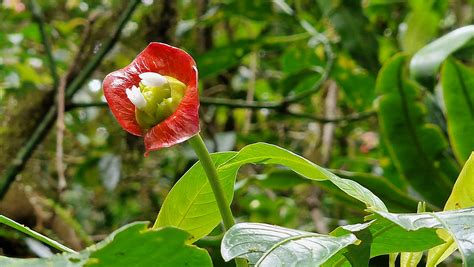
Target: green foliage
x=131 y=245
x=458 y=92
x=353 y=26
x=192 y=194
x=417 y=148
x=458 y=223
x=303 y=75
x=461 y=197
x=426 y=62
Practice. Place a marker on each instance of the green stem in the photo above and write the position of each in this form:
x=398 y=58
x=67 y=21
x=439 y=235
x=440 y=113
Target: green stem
x=203 y=155
x=208 y=165
x=35 y=235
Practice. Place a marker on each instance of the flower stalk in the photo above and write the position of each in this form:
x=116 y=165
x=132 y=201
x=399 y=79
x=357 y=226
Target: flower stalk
x=204 y=157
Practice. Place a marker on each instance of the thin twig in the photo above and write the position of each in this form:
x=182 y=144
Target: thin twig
x=60 y=136
x=250 y=90
x=238 y=104
x=48 y=120
x=328 y=128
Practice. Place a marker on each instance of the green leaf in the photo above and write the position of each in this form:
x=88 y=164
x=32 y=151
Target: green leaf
x=35 y=235
x=191 y=206
x=425 y=63
x=387 y=237
x=418 y=149
x=458 y=92
x=459 y=224
x=461 y=197
x=390 y=194
x=269 y=245
x=132 y=245
x=262 y=153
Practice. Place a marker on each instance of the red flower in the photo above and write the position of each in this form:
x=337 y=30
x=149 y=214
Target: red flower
x=183 y=123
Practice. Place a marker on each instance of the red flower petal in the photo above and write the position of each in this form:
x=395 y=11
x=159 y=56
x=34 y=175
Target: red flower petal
x=165 y=60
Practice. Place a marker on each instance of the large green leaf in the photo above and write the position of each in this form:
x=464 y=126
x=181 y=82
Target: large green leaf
x=458 y=92
x=269 y=245
x=418 y=149
x=425 y=63
x=191 y=206
x=461 y=197
x=262 y=153
x=459 y=224
x=131 y=245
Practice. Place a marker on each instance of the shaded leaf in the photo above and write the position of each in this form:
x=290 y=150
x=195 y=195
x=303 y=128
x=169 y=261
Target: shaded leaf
x=353 y=27
x=418 y=149
x=221 y=59
x=269 y=245
x=458 y=93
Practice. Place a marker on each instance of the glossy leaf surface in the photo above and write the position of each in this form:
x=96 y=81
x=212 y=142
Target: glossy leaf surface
x=425 y=63
x=269 y=245
x=459 y=224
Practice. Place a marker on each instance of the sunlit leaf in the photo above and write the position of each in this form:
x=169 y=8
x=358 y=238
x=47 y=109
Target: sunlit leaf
x=459 y=224
x=131 y=245
x=461 y=197
x=425 y=63
x=384 y=237
x=269 y=245
x=191 y=205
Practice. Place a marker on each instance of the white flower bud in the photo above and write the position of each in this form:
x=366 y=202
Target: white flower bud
x=136 y=97
x=152 y=79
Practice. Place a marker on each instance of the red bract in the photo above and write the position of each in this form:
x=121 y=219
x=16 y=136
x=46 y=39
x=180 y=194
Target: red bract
x=168 y=61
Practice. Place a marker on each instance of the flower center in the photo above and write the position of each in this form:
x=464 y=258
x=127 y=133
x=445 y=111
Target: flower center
x=156 y=98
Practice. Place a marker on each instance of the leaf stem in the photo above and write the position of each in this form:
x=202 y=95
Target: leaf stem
x=9 y=222
x=202 y=153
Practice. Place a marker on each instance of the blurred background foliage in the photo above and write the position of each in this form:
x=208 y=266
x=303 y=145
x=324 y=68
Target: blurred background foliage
x=297 y=73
